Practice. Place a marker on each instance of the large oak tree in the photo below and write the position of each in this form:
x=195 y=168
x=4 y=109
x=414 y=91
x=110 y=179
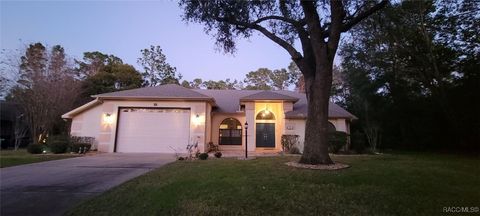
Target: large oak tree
x=318 y=26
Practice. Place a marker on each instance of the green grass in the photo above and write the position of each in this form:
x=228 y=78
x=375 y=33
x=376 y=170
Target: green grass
x=13 y=158
x=403 y=184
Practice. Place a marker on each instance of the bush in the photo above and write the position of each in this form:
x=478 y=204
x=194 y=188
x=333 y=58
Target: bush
x=289 y=142
x=58 y=138
x=218 y=154
x=58 y=147
x=181 y=158
x=82 y=139
x=212 y=147
x=336 y=140
x=203 y=156
x=35 y=149
x=81 y=144
x=359 y=142
x=80 y=147
x=58 y=144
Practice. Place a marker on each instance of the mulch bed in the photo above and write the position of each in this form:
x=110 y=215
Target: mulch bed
x=335 y=166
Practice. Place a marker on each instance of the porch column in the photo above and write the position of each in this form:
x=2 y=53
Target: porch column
x=250 y=118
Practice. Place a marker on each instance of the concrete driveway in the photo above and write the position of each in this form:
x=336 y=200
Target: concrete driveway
x=53 y=187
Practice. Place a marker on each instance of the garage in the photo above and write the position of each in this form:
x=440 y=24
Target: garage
x=156 y=130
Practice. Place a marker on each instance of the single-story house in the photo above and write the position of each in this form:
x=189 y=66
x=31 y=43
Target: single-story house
x=167 y=118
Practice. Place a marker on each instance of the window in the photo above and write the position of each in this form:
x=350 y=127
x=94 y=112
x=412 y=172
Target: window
x=265 y=115
x=230 y=132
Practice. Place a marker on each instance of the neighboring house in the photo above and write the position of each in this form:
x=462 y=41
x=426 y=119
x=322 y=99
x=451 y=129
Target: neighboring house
x=166 y=118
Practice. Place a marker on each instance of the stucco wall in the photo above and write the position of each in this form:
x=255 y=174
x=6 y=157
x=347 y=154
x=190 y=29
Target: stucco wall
x=208 y=124
x=92 y=123
x=205 y=128
x=88 y=124
x=297 y=127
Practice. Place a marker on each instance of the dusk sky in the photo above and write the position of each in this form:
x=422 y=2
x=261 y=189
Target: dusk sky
x=124 y=28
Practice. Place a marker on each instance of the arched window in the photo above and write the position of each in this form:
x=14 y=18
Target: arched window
x=265 y=115
x=230 y=132
x=331 y=128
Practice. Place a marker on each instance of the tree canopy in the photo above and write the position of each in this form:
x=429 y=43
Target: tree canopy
x=318 y=26
x=156 y=70
x=410 y=74
x=46 y=88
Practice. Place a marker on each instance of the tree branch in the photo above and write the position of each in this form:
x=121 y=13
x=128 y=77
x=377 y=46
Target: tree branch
x=361 y=16
x=338 y=14
x=290 y=49
x=281 y=18
x=353 y=20
x=315 y=30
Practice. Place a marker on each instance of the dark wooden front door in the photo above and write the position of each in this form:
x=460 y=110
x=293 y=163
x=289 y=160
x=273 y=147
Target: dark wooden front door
x=265 y=136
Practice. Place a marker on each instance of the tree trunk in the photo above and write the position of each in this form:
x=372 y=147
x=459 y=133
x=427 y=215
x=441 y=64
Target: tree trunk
x=316 y=129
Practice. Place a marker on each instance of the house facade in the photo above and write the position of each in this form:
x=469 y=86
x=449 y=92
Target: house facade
x=167 y=118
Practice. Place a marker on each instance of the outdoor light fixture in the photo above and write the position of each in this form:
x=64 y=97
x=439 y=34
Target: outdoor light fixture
x=246 y=140
x=197 y=120
x=108 y=118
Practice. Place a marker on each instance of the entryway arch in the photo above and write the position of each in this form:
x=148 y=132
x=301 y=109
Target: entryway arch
x=265 y=129
x=230 y=132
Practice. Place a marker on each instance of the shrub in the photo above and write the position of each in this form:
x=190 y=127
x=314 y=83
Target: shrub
x=203 y=156
x=336 y=140
x=58 y=144
x=192 y=149
x=359 y=142
x=81 y=144
x=289 y=142
x=181 y=158
x=35 y=149
x=80 y=147
x=218 y=154
x=58 y=138
x=212 y=147
x=82 y=139
x=58 y=147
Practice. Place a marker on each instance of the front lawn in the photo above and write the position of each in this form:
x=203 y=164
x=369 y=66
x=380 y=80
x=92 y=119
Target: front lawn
x=402 y=184
x=13 y=158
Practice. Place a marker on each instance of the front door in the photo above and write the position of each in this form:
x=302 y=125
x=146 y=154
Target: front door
x=265 y=136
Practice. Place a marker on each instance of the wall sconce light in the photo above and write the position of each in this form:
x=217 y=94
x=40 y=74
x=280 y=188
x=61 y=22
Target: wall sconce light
x=267 y=111
x=197 y=120
x=108 y=118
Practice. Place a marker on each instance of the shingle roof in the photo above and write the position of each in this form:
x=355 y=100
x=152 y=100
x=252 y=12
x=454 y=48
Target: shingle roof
x=169 y=91
x=300 y=109
x=226 y=101
x=268 y=95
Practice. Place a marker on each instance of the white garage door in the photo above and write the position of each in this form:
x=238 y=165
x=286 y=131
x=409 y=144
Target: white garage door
x=153 y=130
